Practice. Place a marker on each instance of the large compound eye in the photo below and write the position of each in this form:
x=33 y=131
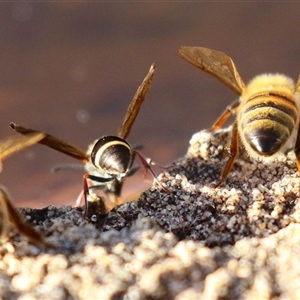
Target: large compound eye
x=112 y=155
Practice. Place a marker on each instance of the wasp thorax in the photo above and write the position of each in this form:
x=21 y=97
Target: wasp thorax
x=112 y=154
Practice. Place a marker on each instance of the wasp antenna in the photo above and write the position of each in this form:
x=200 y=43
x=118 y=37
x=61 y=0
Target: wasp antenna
x=67 y=167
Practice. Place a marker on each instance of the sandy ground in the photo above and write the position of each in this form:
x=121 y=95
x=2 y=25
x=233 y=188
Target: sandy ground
x=239 y=241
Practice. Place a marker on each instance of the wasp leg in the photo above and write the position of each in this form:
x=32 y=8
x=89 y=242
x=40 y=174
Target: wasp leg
x=80 y=199
x=147 y=167
x=132 y=171
x=86 y=188
x=138 y=147
x=233 y=152
x=230 y=110
x=153 y=163
x=85 y=193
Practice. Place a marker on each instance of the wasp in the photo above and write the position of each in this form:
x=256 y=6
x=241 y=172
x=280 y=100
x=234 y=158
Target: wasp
x=109 y=159
x=8 y=213
x=267 y=111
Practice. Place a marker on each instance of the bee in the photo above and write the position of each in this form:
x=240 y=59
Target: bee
x=267 y=111
x=109 y=159
x=8 y=213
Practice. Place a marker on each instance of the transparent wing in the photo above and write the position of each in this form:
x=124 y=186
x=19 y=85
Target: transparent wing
x=215 y=63
x=53 y=142
x=135 y=104
x=297 y=88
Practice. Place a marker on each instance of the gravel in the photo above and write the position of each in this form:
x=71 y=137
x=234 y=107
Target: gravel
x=239 y=241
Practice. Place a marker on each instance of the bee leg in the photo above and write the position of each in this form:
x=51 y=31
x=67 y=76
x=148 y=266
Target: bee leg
x=147 y=167
x=297 y=149
x=233 y=152
x=230 y=109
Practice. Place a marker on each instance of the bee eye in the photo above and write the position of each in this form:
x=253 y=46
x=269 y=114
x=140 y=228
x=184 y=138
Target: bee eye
x=112 y=154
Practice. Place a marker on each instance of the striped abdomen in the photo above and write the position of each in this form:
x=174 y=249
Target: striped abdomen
x=267 y=121
x=112 y=155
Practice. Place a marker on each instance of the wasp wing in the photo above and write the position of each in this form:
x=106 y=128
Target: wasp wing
x=9 y=213
x=16 y=143
x=215 y=63
x=53 y=142
x=135 y=104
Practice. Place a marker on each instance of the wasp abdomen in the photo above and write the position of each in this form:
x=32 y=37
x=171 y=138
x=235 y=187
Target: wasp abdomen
x=267 y=122
x=112 y=154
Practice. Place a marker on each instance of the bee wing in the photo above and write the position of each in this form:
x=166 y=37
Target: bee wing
x=135 y=104
x=215 y=63
x=297 y=88
x=53 y=142
x=16 y=143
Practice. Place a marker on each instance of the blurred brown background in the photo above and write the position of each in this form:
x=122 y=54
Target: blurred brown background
x=71 y=69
